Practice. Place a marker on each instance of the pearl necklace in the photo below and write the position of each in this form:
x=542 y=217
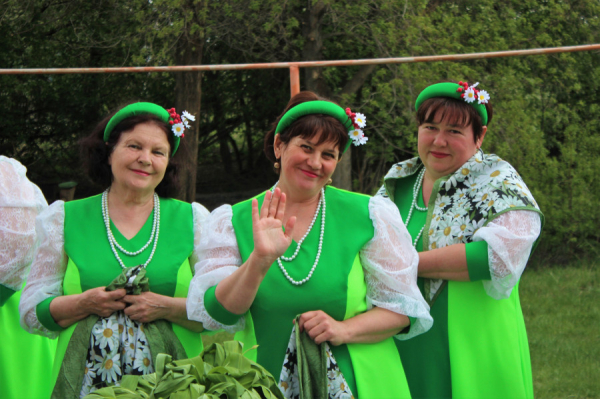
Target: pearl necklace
x=114 y=245
x=413 y=206
x=291 y=258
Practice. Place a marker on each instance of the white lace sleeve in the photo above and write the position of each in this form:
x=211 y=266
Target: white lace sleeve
x=199 y=215
x=20 y=203
x=48 y=269
x=390 y=263
x=510 y=238
x=219 y=257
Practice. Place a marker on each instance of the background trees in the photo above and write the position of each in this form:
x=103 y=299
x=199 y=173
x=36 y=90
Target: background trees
x=547 y=108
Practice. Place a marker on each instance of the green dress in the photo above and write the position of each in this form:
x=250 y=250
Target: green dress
x=478 y=345
x=337 y=287
x=91 y=262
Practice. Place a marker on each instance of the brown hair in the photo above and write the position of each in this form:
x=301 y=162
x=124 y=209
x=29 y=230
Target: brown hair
x=95 y=152
x=307 y=127
x=457 y=112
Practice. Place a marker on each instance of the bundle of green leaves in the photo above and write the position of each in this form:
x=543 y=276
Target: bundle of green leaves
x=219 y=372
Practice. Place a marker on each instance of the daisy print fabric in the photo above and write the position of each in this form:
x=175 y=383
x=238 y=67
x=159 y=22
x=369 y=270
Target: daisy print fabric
x=289 y=384
x=482 y=189
x=118 y=346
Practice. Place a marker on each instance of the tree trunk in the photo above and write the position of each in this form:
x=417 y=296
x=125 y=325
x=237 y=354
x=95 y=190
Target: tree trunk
x=188 y=91
x=313 y=47
x=315 y=81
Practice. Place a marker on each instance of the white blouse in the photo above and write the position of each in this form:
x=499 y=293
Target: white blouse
x=388 y=259
x=20 y=202
x=50 y=263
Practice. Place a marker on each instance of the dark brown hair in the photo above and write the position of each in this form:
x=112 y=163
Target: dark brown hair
x=307 y=127
x=456 y=112
x=95 y=152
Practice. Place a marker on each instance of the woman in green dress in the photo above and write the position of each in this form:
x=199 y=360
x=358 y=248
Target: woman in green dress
x=344 y=262
x=112 y=271
x=20 y=202
x=475 y=223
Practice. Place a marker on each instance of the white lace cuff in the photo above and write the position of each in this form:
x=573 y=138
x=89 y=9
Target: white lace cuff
x=219 y=257
x=391 y=265
x=48 y=269
x=510 y=238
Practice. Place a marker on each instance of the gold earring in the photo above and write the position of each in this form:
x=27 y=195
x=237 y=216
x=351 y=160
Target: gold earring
x=276 y=165
x=329 y=181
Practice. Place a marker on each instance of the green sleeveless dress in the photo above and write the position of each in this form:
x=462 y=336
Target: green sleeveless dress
x=477 y=347
x=91 y=262
x=337 y=287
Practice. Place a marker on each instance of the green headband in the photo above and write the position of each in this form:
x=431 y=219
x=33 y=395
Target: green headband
x=136 y=109
x=475 y=98
x=325 y=108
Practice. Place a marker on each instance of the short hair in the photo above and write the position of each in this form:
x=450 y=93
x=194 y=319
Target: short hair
x=457 y=112
x=307 y=127
x=95 y=152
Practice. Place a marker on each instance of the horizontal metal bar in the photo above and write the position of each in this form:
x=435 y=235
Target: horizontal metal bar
x=305 y=64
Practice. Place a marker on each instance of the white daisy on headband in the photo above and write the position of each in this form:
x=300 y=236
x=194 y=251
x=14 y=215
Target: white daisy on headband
x=356 y=134
x=469 y=95
x=483 y=97
x=360 y=120
x=178 y=129
x=362 y=140
x=186 y=115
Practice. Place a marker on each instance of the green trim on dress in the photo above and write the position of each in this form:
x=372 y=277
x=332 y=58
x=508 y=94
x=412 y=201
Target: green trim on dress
x=477 y=260
x=5 y=293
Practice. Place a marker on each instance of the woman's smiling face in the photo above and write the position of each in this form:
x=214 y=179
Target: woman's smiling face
x=306 y=165
x=139 y=159
x=444 y=147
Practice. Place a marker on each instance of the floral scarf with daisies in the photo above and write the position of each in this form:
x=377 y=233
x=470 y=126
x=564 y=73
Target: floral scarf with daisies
x=118 y=345
x=479 y=191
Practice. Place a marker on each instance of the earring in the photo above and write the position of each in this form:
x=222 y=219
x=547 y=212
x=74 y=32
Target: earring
x=276 y=165
x=329 y=181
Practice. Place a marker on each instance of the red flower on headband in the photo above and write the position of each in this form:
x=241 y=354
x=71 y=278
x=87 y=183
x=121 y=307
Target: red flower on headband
x=471 y=93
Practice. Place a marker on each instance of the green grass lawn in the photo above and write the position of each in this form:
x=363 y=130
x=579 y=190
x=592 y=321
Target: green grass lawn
x=562 y=313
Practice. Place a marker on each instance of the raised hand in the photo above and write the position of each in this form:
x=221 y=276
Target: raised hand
x=270 y=241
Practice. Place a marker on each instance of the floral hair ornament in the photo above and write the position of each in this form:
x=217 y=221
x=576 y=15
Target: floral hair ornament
x=359 y=121
x=353 y=122
x=461 y=91
x=178 y=123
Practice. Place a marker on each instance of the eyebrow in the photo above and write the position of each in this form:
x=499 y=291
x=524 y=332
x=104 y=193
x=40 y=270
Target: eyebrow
x=136 y=141
x=449 y=124
x=327 y=149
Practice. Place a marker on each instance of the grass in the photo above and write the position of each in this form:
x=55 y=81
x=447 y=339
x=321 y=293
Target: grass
x=562 y=313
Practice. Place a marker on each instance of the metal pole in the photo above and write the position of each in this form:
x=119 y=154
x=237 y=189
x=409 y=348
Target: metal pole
x=294 y=80
x=305 y=64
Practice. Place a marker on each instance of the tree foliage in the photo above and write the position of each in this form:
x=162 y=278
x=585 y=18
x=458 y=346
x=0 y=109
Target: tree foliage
x=547 y=107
